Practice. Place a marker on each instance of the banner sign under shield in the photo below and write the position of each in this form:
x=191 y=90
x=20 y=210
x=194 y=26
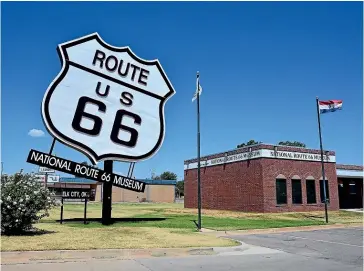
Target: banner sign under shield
x=84 y=171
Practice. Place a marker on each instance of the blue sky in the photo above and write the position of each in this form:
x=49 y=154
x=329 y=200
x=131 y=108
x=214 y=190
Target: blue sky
x=261 y=65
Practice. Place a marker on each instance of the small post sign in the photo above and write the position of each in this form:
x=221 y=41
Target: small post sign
x=107 y=103
x=73 y=193
x=76 y=193
x=46 y=170
x=50 y=178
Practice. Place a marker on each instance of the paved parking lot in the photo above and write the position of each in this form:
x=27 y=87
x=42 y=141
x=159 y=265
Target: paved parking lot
x=337 y=245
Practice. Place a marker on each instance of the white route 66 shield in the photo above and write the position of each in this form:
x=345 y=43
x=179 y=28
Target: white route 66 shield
x=106 y=102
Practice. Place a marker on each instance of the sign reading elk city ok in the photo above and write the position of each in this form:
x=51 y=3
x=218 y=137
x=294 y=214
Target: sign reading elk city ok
x=74 y=193
x=106 y=102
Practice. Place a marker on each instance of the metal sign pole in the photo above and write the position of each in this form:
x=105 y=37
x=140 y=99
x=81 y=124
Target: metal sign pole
x=61 y=221
x=131 y=169
x=50 y=152
x=85 y=212
x=46 y=180
x=106 y=197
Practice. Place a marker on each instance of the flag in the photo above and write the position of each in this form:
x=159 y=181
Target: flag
x=198 y=88
x=330 y=106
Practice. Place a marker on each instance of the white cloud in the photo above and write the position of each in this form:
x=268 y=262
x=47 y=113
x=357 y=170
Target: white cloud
x=36 y=133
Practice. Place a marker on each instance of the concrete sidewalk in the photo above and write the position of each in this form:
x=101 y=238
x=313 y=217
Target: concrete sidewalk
x=353 y=210
x=26 y=257
x=61 y=256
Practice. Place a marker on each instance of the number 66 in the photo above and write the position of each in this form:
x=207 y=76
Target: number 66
x=117 y=126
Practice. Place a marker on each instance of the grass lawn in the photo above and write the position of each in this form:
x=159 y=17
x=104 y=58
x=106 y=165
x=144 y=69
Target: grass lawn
x=176 y=230
x=66 y=237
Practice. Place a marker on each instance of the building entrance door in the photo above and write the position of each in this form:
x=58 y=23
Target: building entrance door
x=350 y=193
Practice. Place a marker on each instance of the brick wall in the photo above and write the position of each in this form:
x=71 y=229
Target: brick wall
x=302 y=169
x=250 y=185
x=233 y=186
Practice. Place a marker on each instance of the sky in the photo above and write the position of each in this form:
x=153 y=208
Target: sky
x=261 y=66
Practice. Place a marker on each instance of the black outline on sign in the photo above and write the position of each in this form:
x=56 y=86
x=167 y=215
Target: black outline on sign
x=61 y=49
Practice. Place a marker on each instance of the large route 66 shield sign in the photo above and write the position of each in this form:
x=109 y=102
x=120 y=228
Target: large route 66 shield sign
x=106 y=102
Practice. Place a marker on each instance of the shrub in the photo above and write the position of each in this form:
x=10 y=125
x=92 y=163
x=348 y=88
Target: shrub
x=24 y=201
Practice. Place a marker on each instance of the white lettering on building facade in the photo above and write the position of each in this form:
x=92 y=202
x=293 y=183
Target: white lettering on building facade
x=262 y=153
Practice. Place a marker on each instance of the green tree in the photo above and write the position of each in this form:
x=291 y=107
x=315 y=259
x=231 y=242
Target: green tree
x=249 y=143
x=292 y=143
x=168 y=175
x=180 y=188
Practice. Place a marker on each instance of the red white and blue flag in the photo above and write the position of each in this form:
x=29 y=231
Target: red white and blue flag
x=330 y=106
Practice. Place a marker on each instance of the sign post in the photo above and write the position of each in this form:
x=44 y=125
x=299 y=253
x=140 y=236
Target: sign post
x=106 y=197
x=61 y=220
x=74 y=193
x=85 y=213
x=46 y=170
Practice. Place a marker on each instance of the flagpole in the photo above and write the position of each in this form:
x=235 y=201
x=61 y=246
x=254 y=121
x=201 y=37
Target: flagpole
x=198 y=155
x=322 y=159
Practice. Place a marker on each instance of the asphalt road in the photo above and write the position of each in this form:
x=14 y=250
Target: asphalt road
x=336 y=249
x=342 y=246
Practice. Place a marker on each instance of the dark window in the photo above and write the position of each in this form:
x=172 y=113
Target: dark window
x=296 y=192
x=311 y=191
x=322 y=191
x=281 y=191
x=352 y=188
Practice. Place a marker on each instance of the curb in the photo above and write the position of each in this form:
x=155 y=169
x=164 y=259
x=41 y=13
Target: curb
x=279 y=230
x=57 y=256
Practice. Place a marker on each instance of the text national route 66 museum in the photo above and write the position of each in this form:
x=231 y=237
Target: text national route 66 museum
x=270 y=178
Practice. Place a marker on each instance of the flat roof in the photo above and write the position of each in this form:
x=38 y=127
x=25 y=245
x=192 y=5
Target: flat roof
x=343 y=173
x=260 y=146
x=349 y=171
x=349 y=167
x=76 y=180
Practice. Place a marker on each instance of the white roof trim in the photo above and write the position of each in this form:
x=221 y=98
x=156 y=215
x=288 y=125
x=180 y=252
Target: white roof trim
x=344 y=173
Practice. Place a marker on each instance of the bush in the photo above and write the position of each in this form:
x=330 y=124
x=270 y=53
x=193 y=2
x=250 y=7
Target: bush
x=24 y=201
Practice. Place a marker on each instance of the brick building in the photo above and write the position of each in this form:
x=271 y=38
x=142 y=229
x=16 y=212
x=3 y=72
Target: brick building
x=269 y=178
